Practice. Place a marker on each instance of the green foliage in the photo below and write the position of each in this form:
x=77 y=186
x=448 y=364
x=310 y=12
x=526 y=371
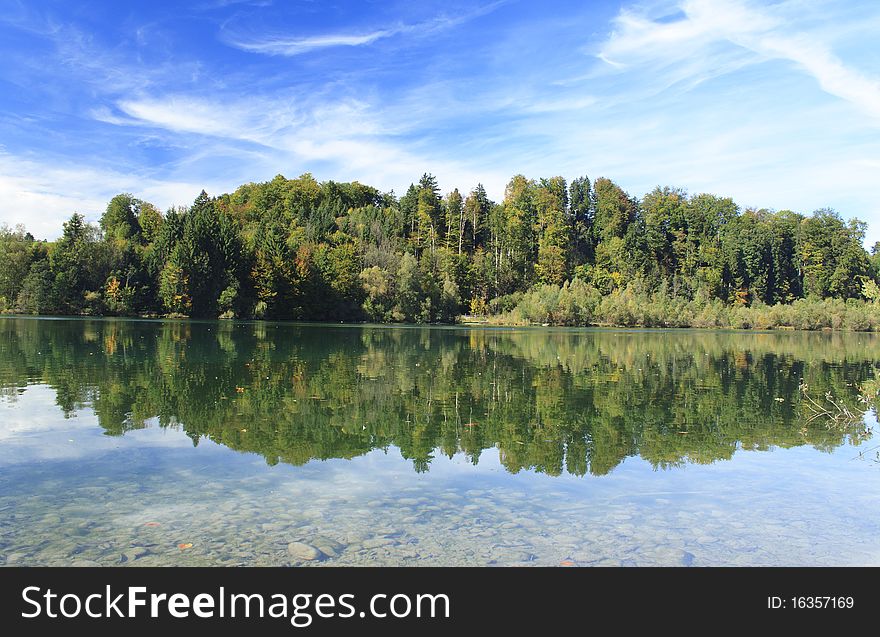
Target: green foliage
x=37 y=293
x=456 y=222
x=408 y=306
x=379 y=289
x=831 y=254
x=17 y=252
x=572 y=303
x=205 y=261
x=871 y=291
x=476 y=222
x=450 y=302
x=579 y=303
x=121 y=220
x=175 y=290
x=578 y=253
x=582 y=220
x=119 y=298
x=614 y=209
x=78 y=262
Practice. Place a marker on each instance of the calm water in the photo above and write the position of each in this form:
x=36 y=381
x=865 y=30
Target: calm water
x=123 y=441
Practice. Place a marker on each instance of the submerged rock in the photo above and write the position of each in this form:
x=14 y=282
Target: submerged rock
x=328 y=550
x=328 y=546
x=303 y=551
x=376 y=542
x=134 y=553
x=84 y=563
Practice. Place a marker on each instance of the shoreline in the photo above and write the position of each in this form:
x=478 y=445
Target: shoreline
x=466 y=320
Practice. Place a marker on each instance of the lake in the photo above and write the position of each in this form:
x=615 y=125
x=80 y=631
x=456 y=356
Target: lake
x=153 y=443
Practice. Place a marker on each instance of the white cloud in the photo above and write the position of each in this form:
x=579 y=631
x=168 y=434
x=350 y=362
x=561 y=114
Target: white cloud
x=292 y=45
x=349 y=138
x=192 y=115
x=298 y=46
x=690 y=48
x=104 y=114
x=830 y=72
x=43 y=195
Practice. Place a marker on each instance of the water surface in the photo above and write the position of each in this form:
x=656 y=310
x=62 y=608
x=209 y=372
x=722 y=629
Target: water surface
x=121 y=441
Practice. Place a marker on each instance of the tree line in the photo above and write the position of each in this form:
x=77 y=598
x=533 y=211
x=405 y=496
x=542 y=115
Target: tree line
x=300 y=249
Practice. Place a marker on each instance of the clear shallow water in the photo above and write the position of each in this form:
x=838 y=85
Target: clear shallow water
x=426 y=446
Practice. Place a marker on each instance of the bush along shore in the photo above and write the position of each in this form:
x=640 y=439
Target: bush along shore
x=550 y=252
x=579 y=304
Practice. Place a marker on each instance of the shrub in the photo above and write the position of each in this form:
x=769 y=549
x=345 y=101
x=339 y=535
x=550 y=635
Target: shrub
x=580 y=303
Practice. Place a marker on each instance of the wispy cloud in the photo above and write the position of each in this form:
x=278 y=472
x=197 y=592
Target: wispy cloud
x=560 y=105
x=275 y=121
x=180 y=113
x=297 y=45
x=348 y=136
x=691 y=48
x=220 y=4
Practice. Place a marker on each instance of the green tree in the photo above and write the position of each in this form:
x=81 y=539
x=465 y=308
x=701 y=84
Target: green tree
x=521 y=229
x=79 y=265
x=831 y=255
x=409 y=204
x=666 y=230
x=554 y=231
x=17 y=253
x=428 y=215
x=121 y=219
x=37 y=292
x=379 y=290
x=303 y=249
x=614 y=209
x=409 y=290
x=207 y=256
x=450 y=302
x=455 y=221
x=174 y=287
x=275 y=278
x=477 y=207
x=582 y=220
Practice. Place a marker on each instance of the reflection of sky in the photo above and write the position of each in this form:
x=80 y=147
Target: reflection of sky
x=32 y=428
x=813 y=500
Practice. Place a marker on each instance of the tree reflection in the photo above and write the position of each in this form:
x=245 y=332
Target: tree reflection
x=550 y=401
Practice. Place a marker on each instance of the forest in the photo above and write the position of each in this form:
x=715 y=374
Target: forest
x=552 y=252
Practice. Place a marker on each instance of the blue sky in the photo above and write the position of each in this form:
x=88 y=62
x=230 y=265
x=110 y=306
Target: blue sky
x=774 y=104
